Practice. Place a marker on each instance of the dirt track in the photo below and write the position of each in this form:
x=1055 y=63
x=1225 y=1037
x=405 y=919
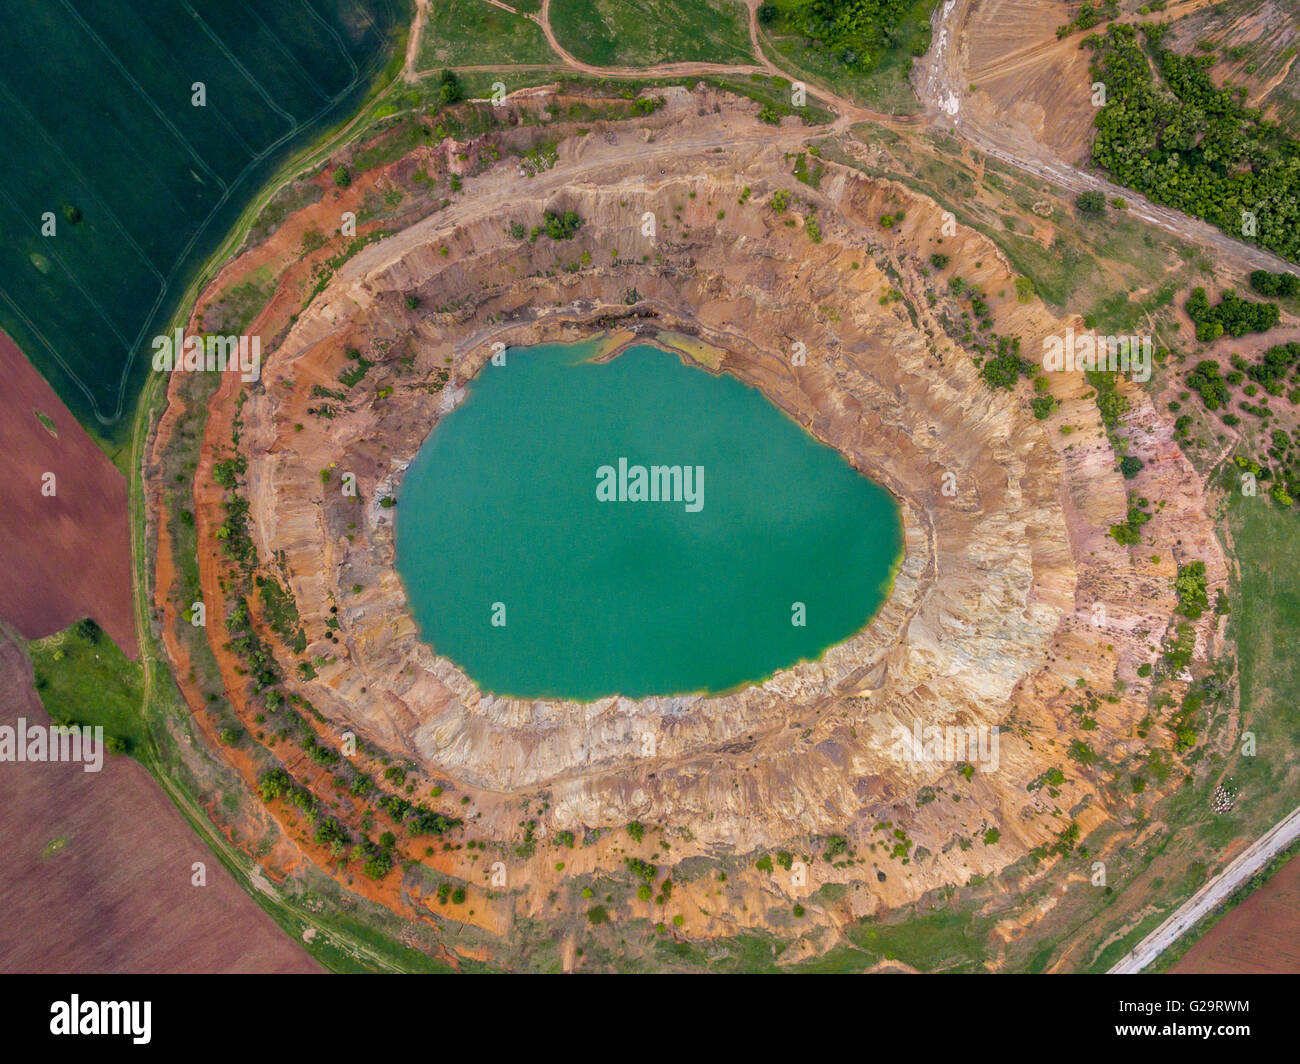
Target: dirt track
x=66 y=556
x=941 y=79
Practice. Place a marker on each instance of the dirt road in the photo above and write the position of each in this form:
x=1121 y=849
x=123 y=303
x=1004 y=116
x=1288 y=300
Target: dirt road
x=1216 y=891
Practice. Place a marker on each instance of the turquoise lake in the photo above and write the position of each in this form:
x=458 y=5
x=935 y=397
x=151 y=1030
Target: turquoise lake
x=532 y=562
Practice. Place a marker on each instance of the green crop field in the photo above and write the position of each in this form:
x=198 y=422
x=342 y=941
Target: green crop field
x=117 y=180
x=647 y=32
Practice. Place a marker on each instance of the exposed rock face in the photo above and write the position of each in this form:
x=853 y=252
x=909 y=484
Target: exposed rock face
x=1005 y=524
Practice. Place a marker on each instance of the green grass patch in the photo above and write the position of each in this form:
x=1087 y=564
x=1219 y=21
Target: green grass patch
x=476 y=33
x=648 y=32
x=949 y=941
x=82 y=678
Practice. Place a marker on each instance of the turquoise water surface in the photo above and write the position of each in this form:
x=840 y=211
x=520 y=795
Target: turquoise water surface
x=531 y=561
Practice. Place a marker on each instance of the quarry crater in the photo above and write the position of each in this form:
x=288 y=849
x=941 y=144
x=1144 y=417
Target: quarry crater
x=987 y=573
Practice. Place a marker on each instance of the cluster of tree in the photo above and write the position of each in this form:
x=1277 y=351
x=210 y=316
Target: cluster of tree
x=1130 y=532
x=1130 y=466
x=1003 y=369
x=329 y=832
x=245 y=642
x=319 y=752
x=274 y=783
x=1275 y=284
x=641 y=869
x=1088 y=17
x=852 y=32
x=1110 y=404
x=1233 y=315
x=228 y=471
x=377 y=860
x=1208 y=383
x=1190 y=145
x=1272 y=369
x=1190 y=587
x=1043 y=404
x=427 y=822
x=561 y=226
x=446 y=893
x=422 y=820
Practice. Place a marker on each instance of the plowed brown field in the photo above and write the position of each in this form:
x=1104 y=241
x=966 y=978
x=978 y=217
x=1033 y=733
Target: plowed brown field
x=97 y=870
x=67 y=555
x=1261 y=935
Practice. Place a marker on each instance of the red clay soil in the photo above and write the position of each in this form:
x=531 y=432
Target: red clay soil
x=1261 y=935
x=208 y=497
x=117 y=895
x=67 y=556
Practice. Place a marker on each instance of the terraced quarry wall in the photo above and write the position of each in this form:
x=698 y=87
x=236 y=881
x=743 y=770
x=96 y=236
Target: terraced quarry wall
x=993 y=619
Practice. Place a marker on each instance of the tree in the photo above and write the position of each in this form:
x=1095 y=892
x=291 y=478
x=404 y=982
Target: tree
x=274 y=783
x=342 y=176
x=1091 y=202
x=767 y=13
x=88 y=630
x=1130 y=466
x=450 y=89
